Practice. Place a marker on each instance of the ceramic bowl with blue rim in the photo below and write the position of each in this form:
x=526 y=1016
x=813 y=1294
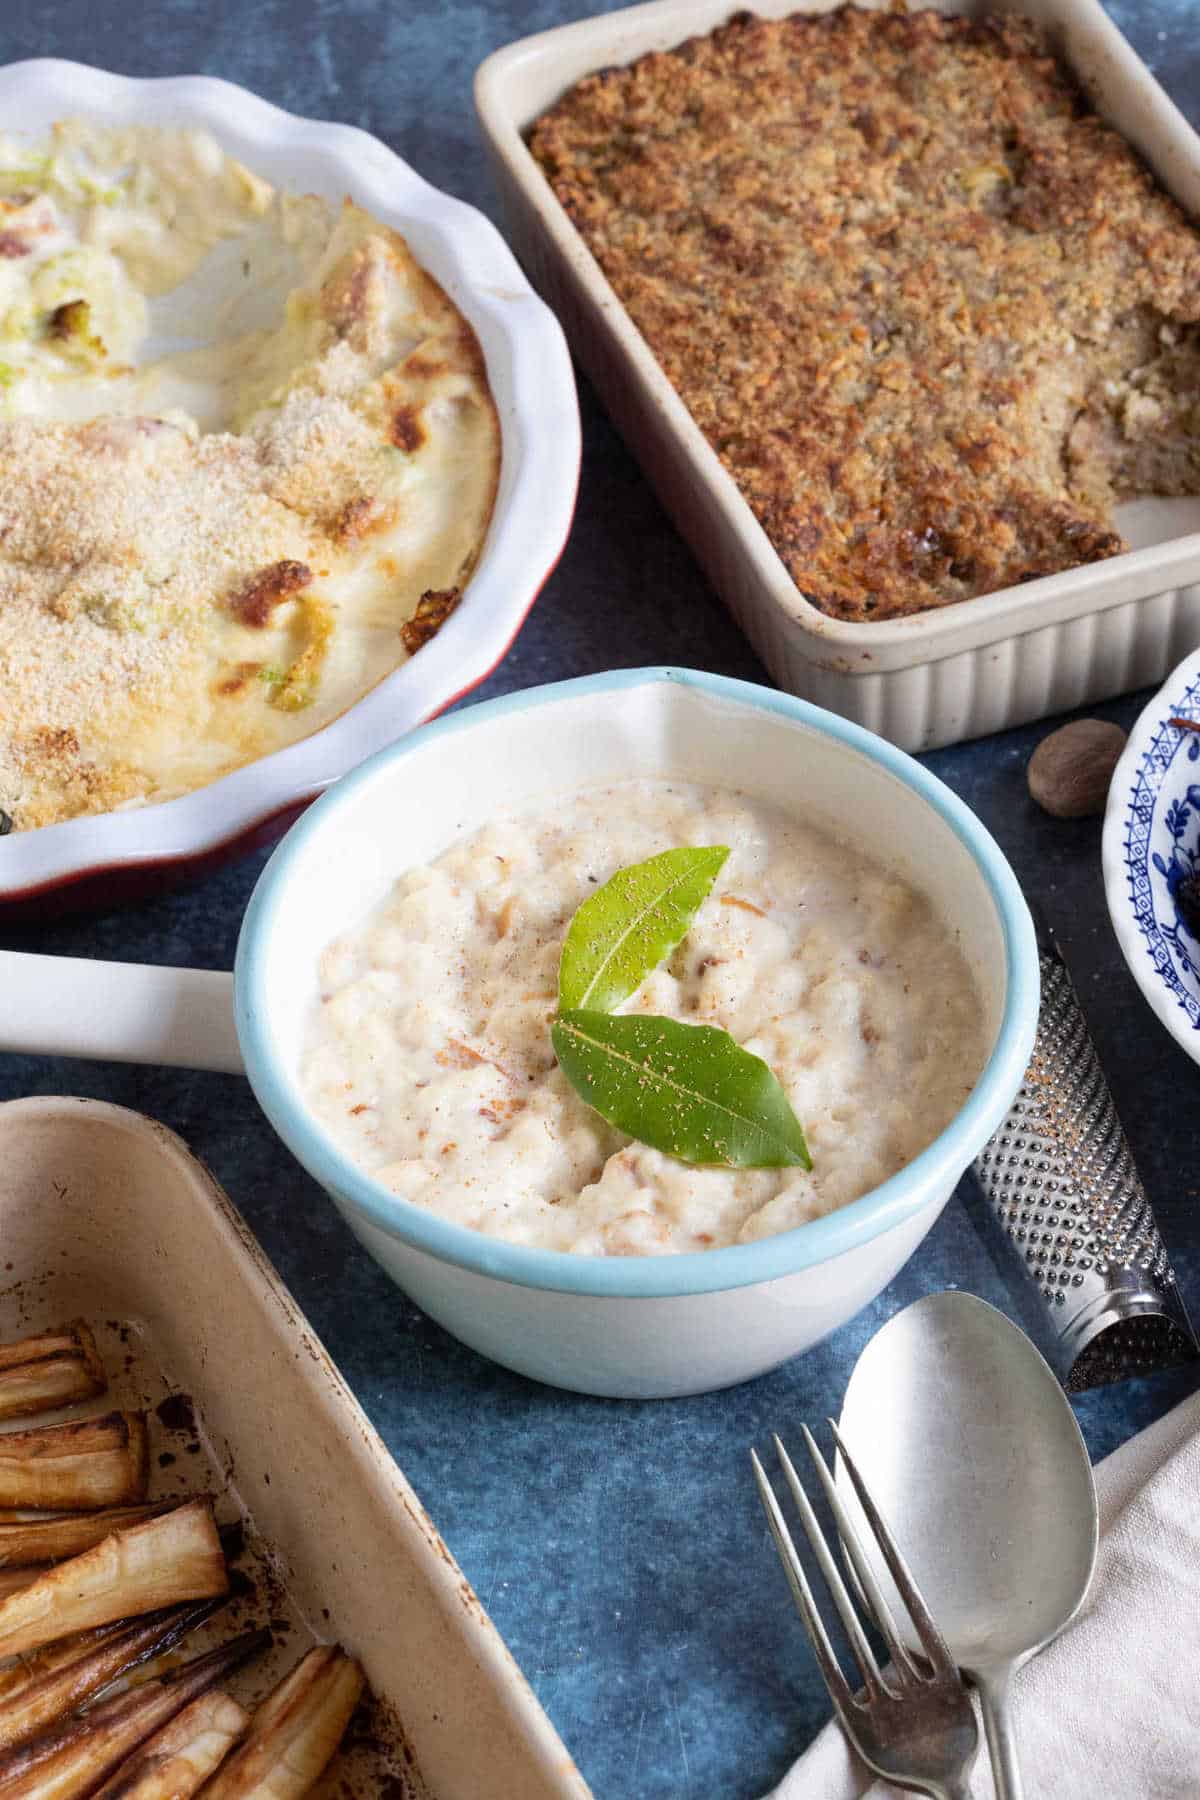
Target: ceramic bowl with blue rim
x=632 y=1326
x=1152 y=855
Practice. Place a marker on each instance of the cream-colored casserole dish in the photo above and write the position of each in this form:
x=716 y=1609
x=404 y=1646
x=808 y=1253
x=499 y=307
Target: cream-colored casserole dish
x=969 y=668
x=105 y=1215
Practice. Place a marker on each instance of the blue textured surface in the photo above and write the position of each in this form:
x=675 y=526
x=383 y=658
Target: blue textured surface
x=617 y=1546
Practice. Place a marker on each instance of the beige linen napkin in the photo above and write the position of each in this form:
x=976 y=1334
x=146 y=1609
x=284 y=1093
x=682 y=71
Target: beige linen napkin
x=1111 y=1711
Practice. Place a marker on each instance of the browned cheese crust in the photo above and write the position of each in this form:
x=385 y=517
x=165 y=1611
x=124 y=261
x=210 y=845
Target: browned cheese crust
x=932 y=314
x=176 y=603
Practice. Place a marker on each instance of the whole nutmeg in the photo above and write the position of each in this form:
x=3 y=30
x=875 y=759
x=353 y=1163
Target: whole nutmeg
x=1070 y=771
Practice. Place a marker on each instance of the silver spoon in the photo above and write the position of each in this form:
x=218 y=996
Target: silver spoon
x=973 y=1456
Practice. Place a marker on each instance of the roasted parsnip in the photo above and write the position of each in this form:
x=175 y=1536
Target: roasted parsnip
x=27 y=1542
x=13 y=1580
x=42 y=1688
x=18 y=1671
x=75 y=1758
x=54 y=1369
x=295 y=1733
x=162 y=1562
x=81 y=1466
x=177 y=1760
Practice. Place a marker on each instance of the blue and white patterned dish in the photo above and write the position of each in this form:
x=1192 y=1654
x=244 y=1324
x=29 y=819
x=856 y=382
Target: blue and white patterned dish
x=1151 y=843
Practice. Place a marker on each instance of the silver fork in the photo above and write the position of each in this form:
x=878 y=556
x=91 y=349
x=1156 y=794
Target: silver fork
x=917 y=1728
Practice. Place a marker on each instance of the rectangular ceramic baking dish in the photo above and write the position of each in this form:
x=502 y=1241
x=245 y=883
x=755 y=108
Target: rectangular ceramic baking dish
x=104 y=1214
x=973 y=667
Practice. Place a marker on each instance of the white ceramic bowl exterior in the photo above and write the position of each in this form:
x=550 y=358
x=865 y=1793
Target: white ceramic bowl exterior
x=652 y=1347
x=1151 y=844
x=530 y=374
x=632 y=1326
x=967 y=669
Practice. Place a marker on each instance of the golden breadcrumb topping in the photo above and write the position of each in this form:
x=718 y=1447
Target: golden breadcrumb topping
x=175 y=601
x=934 y=315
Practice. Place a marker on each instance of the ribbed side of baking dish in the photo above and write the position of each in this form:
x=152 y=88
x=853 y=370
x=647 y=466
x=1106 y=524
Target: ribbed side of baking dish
x=1009 y=682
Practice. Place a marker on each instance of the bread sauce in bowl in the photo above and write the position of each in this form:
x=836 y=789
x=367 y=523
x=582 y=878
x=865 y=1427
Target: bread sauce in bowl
x=428 y=1052
x=633 y=1324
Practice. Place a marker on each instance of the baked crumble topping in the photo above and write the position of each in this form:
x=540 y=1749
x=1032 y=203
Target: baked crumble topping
x=935 y=317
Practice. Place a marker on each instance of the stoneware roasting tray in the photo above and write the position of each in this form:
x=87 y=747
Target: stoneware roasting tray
x=105 y=1215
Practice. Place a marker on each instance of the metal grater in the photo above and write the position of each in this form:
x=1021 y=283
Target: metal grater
x=1061 y=1181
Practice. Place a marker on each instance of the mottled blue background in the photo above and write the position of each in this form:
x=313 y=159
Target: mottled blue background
x=617 y=1546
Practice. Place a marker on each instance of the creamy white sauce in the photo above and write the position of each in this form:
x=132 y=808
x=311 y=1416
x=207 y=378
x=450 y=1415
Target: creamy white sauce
x=210 y=304
x=127 y=218
x=428 y=1057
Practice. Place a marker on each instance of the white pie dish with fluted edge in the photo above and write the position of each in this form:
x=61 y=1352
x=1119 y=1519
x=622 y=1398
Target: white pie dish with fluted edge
x=623 y=1326
x=529 y=370
x=1151 y=843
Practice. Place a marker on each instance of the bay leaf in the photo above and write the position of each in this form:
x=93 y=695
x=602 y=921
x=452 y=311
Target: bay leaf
x=689 y=1090
x=627 y=927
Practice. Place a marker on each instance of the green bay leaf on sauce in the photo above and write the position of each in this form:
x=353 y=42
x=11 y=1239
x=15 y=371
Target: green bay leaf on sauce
x=688 y=1090
x=627 y=927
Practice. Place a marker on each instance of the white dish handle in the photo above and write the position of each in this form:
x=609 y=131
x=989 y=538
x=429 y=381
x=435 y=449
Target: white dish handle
x=117 y=1012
